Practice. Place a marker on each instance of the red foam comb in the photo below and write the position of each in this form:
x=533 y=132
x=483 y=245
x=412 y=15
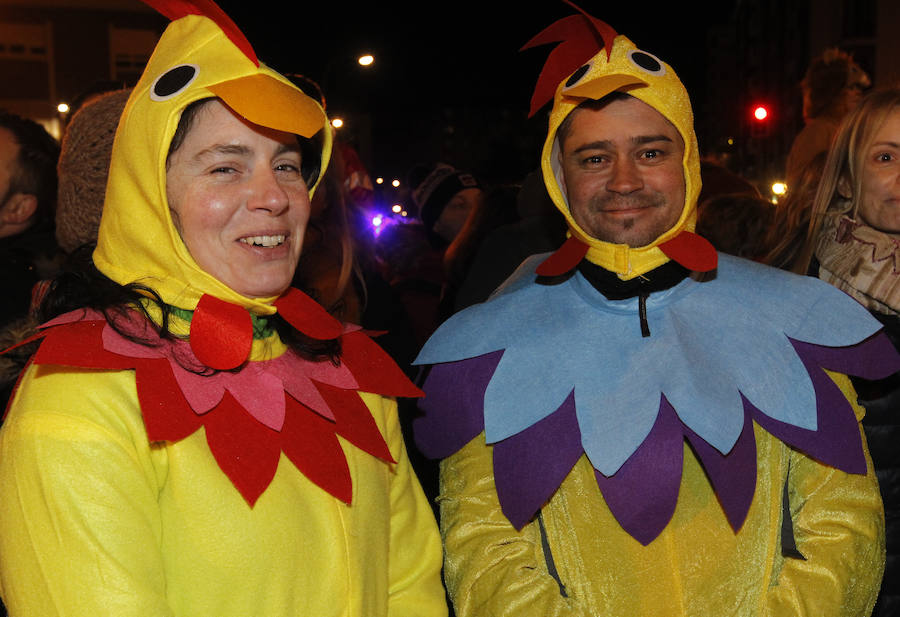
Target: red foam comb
x=580 y=37
x=176 y=9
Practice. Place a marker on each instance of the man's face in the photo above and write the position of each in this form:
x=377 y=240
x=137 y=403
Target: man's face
x=622 y=167
x=239 y=201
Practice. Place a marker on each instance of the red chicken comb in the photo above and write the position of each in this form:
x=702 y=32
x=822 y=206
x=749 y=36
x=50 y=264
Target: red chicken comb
x=580 y=37
x=176 y=9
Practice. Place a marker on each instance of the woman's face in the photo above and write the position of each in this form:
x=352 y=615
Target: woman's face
x=239 y=201
x=879 y=205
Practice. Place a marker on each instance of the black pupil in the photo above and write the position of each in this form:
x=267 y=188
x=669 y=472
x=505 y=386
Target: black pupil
x=645 y=61
x=577 y=75
x=174 y=80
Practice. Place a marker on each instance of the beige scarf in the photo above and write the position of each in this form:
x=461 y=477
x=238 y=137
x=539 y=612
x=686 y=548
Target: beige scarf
x=861 y=261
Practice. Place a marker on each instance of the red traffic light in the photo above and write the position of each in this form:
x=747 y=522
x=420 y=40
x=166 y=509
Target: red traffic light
x=760 y=112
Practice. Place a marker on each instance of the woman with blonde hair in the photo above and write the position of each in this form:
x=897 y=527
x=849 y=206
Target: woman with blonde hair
x=854 y=244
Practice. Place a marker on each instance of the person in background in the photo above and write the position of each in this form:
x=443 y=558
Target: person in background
x=737 y=224
x=855 y=244
x=28 y=251
x=637 y=424
x=832 y=86
x=194 y=436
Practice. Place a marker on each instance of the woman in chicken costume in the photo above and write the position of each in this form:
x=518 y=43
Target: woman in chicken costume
x=633 y=441
x=179 y=455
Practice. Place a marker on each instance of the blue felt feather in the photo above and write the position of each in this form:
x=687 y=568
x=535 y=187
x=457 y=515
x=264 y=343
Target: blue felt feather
x=710 y=342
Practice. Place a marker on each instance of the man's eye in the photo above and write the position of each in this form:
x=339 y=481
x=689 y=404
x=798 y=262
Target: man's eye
x=223 y=170
x=595 y=159
x=652 y=154
x=288 y=167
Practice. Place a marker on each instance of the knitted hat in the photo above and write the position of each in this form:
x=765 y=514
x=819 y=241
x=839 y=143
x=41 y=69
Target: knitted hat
x=436 y=190
x=827 y=77
x=83 y=168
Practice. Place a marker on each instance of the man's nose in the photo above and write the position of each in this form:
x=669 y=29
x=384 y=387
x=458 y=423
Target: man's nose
x=625 y=178
x=266 y=193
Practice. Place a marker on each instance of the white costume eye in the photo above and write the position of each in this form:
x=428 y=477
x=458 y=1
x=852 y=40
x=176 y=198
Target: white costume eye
x=173 y=81
x=646 y=62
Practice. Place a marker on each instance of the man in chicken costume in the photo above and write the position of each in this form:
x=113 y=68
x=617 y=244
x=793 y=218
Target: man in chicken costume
x=178 y=454
x=637 y=425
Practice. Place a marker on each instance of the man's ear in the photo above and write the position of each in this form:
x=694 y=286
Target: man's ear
x=18 y=209
x=843 y=188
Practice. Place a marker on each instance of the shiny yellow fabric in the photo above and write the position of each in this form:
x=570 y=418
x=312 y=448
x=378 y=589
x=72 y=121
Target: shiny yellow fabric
x=137 y=241
x=666 y=94
x=697 y=567
x=96 y=521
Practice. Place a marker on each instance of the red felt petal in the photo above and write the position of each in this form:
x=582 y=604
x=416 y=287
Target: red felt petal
x=374 y=370
x=307 y=315
x=246 y=450
x=176 y=9
x=564 y=259
x=312 y=445
x=581 y=37
x=354 y=421
x=691 y=251
x=81 y=345
x=221 y=333
x=167 y=414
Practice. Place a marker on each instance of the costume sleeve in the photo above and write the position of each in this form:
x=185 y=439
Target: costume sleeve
x=79 y=528
x=415 y=551
x=838 y=524
x=490 y=568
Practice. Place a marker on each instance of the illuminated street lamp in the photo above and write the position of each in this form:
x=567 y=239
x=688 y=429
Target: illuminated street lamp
x=366 y=60
x=337 y=123
x=63 y=108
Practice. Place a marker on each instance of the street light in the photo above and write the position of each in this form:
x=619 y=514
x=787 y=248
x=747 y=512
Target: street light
x=366 y=60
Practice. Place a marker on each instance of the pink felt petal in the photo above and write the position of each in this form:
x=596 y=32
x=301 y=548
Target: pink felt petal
x=260 y=393
x=73 y=316
x=307 y=315
x=203 y=392
x=564 y=259
x=221 y=333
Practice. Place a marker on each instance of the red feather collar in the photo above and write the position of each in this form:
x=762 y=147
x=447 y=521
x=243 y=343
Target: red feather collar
x=246 y=437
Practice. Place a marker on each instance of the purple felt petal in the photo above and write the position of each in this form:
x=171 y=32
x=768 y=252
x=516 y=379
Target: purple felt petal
x=836 y=441
x=873 y=358
x=453 y=405
x=642 y=495
x=530 y=466
x=732 y=475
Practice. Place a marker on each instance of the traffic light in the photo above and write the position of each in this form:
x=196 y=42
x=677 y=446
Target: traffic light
x=760 y=120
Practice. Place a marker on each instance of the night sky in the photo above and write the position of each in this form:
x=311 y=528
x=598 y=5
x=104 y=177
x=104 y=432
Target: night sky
x=452 y=64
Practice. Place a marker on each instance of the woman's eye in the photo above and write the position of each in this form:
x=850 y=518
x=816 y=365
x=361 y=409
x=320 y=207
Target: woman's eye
x=884 y=157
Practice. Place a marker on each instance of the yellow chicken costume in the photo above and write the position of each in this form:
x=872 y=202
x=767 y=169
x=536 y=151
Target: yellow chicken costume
x=217 y=473
x=632 y=441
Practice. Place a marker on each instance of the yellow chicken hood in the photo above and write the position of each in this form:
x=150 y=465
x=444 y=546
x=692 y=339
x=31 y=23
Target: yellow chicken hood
x=618 y=66
x=194 y=59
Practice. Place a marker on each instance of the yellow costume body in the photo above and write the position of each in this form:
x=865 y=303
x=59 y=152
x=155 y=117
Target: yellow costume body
x=696 y=567
x=96 y=520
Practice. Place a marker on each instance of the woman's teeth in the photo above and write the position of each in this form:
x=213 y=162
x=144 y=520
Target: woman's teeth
x=263 y=240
